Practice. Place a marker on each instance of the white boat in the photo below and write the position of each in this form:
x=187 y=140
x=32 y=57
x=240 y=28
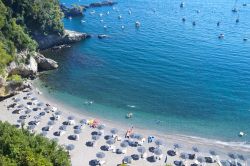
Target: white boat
x=221 y=36
x=182 y=5
x=100 y=14
x=70 y=17
x=119 y=17
x=137 y=24
x=122 y=27
x=82 y=21
x=92 y=12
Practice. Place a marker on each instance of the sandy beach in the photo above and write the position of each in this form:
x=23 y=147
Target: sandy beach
x=83 y=154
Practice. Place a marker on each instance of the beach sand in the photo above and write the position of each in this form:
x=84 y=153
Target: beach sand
x=83 y=154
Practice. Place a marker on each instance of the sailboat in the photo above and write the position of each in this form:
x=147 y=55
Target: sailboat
x=234 y=8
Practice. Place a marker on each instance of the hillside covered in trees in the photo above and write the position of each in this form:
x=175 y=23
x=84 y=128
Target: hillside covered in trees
x=19 y=147
x=20 y=20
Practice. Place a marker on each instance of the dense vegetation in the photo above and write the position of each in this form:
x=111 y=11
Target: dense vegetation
x=20 y=148
x=20 y=19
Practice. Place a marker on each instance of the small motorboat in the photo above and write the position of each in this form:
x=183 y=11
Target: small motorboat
x=245 y=39
x=221 y=36
x=234 y=10
x=123 y=27
x=105 y=26
x=137 y=24
x=101 y=20
x=183 y=19
x=101 y=36
x=182 y=5
x=100 y=14
x=92 y=12
x=107 y=12
x=70 y=18
x=129 y=115
x=241 y=134
x=194 y=23
x=119 y=17
x=82 y=21
x=237 y=20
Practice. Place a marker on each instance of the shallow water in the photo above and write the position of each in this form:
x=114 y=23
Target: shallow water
x=180 y=78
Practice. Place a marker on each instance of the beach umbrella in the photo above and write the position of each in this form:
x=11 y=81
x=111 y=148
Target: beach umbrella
x=20 y=106
x=159 y=142
x=78 y=127
x=47 y=109
x=30 y=93
x=195 y=149
x=139 y=137
x=133 y=135
x=77 y=131
x=232 y=155
x=40 y=104
x=184 y=156
x=141 y=149
x=28 y=111
x=31 y=127
x=83 y=121
x=114 y=131
x=101 y=127
x=176 y=146
x=127 y=159
x=212 y=152
x=110 y=141
x=241 y=157
x=201 y=159
x=100 y=155
x=17 y=100
x=157 y=151
x=51 y=122
x=29 y=103
x=70 y=147
x=71 y=118
x=34 y=98
x=124 y=144
x=95 y=137
x=63 y=127
x=58 y=113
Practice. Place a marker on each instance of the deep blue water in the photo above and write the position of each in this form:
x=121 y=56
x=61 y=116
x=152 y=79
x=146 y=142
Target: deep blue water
x=179 y=75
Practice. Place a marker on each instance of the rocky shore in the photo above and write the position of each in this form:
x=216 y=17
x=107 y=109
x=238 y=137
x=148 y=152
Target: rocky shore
x=50 y=41
x=28 y=64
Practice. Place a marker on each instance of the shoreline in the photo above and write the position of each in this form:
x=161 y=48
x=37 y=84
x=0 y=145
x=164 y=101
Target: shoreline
x=186 y=142
x=236 y=144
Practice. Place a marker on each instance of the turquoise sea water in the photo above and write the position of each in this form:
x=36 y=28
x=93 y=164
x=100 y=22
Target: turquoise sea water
x=180 y=78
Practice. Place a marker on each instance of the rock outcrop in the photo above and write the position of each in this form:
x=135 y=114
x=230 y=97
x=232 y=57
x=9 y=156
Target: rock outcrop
x=25 y=69
x=75 y=11
x=103 y=3
x=50 y=41
x=45 y=63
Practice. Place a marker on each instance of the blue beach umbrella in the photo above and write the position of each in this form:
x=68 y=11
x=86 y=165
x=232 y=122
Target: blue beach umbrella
x=114 y=131
x=100 y=155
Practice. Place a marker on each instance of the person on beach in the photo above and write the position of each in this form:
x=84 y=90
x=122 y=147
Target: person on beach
x=128 y=133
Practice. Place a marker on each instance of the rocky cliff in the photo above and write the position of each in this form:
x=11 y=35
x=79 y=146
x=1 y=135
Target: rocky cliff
x=49 y=41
